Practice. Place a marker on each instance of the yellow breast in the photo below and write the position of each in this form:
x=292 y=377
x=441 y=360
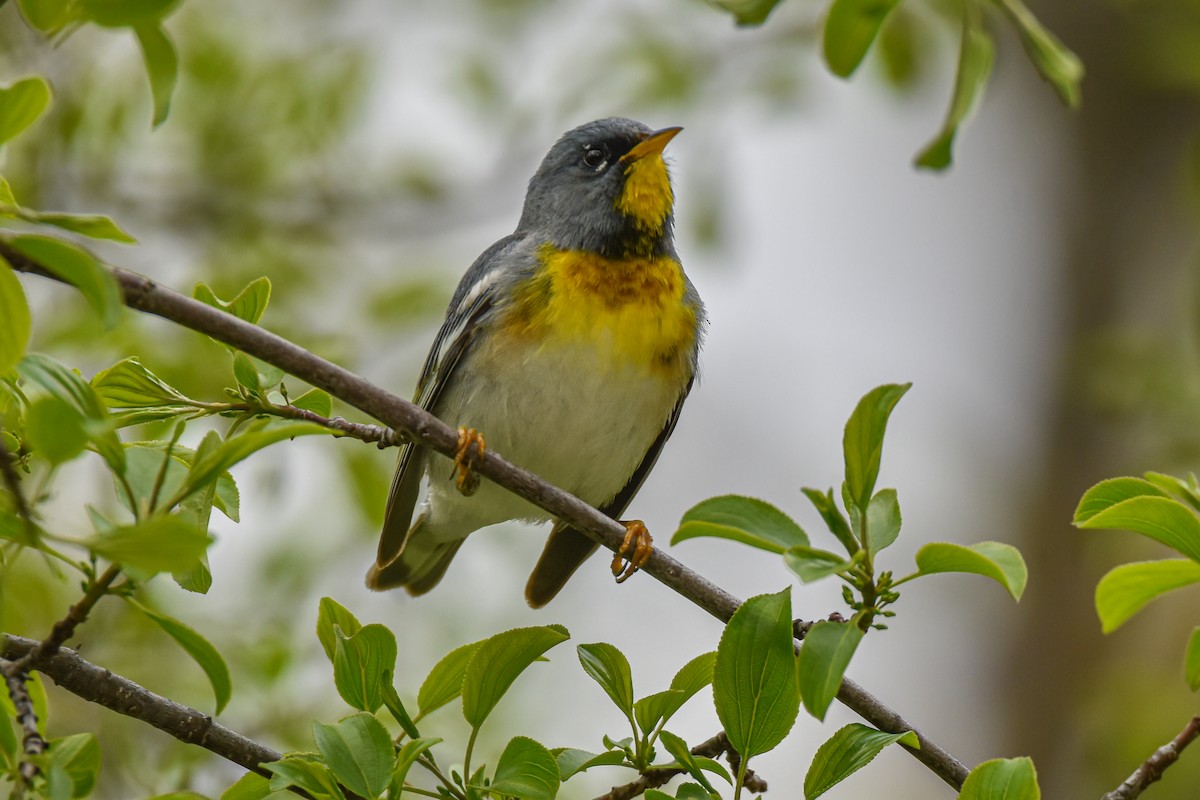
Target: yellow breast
x=631 y=309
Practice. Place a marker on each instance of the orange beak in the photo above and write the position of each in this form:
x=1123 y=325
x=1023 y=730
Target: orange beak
x=653 y=143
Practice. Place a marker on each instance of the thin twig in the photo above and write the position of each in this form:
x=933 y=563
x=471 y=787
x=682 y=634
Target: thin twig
x=32 y=743
x=144 y=294
x=1153 y=767
x=652 y=779
x=65 y=627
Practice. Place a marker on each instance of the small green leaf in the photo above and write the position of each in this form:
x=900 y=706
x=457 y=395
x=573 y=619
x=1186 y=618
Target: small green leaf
x=1163 y=519
x=1126 y=589
x=863 y=440
x=742 y=519
x=660 y=707
x=445 y=681
x=77 y=267
x=846 y=752
x=15 y=321
x=526 y=770
x=79 y=757
x=572 y=762
x=305 y=772
x=850 y=28
x=824 y=656
x=810 y=564
x=359 y=752
x=158 y=544
x=391 y=701
x=21 y=104
x=407 y=756
x=316 y=401
x=329 y=614
x=748 y=12
x=361 y=665
x=1002 y=779
x=162 y=66
x=678 y=749
x=883 y=520
x=695 y=675
x=608 y=667
x=56 y=429
x=1000 y=562
x=1191 y=661
x=1061 y=68
x=198 y=648
x=128 y=384
x=91 y=225
x=498 y=662
x=1186 y=490
x=45 y=15
x=125 y=13
x=1106 y=494
x=67 y=385
x=976 y=54
x=248 y=304
x=835 y=520
x=251 y=786
x=246 y=374
x=754 y=677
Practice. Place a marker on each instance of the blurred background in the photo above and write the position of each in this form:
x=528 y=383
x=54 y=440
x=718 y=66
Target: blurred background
x=1041 y=295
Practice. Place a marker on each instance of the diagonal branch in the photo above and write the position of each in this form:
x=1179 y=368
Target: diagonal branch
x=1153 y=767
x=144 y=294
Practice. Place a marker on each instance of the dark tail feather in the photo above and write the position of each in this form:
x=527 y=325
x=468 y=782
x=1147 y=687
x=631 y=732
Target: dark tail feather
x=565 y=550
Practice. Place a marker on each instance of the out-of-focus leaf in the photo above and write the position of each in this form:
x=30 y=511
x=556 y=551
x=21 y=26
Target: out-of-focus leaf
x=77 y=267
x=21 y=104
x=1061 y=68
x=91 y=225
x=56 y=429
x=850 y=28
x=748 y=12
x=248 y=304
x=15 y=322
x=199 y=648
x=157 y=544
x=846 y=752
x=125 y=13
x=1000 y=562
x=743 y=519
x=1163 y=519
x=162 y=67
x=45 y=15
x=1002 y=779
x=1126 y=589
x=66 y=384
x=78 y=756
x=1191 y=661
x=975 y=57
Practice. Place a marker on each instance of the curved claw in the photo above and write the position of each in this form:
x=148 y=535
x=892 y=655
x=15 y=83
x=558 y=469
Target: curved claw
x=467 y=456
x=635 y=549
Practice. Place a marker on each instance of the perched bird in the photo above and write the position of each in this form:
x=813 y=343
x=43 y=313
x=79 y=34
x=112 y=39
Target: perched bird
x=570 y=345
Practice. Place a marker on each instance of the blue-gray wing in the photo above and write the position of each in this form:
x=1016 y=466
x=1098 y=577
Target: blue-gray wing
x=474 y=299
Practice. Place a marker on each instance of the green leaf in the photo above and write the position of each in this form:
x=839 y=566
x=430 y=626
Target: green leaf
x=1126 y=589
x=67 y=385
x=8 y=741
x=303 y=771
x=863 y=440
x=975 y=57
x=445 y=681
x=1163 y=519
x=158 y=544
x=21 y=104
x=407 y=756
x=1191 y=661
x=199 y=649
x=78 y=267
x=1186 y=490
x=251 y=786
x=128 y=384
x=56 y=429
x=1106 y=494
x=810 y=564
x=361 y=665
x=754 y=677
x=91 y=225
x=329 y=614
x=1002 y=779
x=316 y=401
x=359 y=752
x=742 y=519
x=572 y=761
x=498 y=662
x=15 y=321
x=824 y=657
x=846 y=752
x=125 y=13
x=45 y=15
x=1000 y=562
x=883 y=520
x=1061 y=68
x=835 y=520
x=248 y=304
x=236 y=448
x=660 y=707
x=678 y=749
x=526 y=770
x=748 y=12
x=79 y=757
x=162 y=67
x=608 y=667
x=695 y=675
x=850 y=28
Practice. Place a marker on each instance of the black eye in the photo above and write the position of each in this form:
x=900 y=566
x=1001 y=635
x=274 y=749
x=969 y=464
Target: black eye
x=595 y=157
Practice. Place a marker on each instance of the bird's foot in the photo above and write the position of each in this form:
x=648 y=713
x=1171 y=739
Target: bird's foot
x=635 y=550
x=467 y=456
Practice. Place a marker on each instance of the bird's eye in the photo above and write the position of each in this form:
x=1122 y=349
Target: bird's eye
x=595 y=157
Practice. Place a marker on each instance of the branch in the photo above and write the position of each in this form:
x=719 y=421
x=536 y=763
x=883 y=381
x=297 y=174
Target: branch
x=64 y=629
x=143 y=294
x=98 y=685
x=652 y=779
x=1153 y=767
x=32 y=743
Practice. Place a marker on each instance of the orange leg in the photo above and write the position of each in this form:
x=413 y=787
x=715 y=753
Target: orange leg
x=636 y=548
x=471 y=448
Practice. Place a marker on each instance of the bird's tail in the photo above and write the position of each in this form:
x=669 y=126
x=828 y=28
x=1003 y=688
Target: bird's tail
x=420 y=564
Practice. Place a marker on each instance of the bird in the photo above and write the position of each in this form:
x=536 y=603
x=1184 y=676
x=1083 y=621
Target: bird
x=570 y=347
